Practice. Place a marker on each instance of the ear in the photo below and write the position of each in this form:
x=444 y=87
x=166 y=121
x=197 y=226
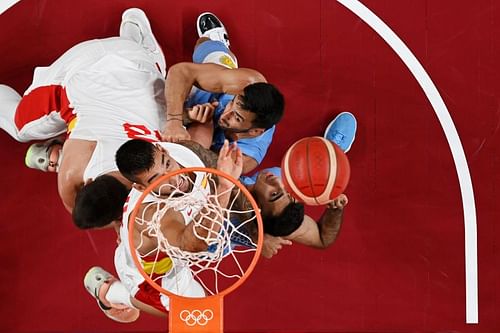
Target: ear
x=256 y=131
x=139 y=187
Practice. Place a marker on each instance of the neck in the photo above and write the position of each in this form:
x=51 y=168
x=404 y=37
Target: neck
x=122 y=179
x=236 y=136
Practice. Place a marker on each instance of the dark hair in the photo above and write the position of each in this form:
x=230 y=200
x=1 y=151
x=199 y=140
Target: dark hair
x=285 y=223
x=133 y=157
x=99 y=203
x=266 y=101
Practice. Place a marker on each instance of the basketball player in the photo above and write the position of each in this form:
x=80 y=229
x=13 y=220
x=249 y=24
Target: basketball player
x=122 y=299
x=284 y=219
x=143 y=162
x=102 y=92
x=246 y=107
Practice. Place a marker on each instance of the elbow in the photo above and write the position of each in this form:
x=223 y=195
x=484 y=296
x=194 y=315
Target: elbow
x=325 y=243
x=256 y=77
x=179 y=69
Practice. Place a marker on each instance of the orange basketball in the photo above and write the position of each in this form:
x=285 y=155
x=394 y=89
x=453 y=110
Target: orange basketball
x=315 y=170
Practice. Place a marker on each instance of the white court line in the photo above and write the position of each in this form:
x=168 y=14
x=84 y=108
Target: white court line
x=6 y=4
x=457 y=151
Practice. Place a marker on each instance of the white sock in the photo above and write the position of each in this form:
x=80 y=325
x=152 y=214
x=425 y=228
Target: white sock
x=117 y=293
x=132 y=31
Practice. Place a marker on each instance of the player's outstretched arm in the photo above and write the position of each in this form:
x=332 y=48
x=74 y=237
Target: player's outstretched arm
x=324 y=233
x=210 y=77
x=196 y=236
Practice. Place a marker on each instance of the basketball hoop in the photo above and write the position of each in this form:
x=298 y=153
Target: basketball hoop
x=233 y=236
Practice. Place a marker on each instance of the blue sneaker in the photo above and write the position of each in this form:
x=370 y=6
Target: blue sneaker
x=342 y=130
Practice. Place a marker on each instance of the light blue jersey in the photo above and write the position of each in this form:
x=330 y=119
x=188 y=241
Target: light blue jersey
x=255 y=147
x=217 y=53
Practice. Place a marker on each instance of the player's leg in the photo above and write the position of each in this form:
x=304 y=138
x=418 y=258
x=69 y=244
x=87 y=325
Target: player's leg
x=213 y=44
x=9 y=100
x=29 y=118
x=342 y=130
x=44 y=111
x=135 y=26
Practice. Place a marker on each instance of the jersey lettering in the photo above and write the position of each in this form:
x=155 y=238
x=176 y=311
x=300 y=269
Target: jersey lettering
x=141 y=132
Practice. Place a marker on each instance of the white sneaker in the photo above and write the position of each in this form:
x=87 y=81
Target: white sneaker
x=38 y=155
x=210 y=26
x=135 y=26
x=97 y=282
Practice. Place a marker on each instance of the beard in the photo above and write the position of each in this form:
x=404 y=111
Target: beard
x=228 y=130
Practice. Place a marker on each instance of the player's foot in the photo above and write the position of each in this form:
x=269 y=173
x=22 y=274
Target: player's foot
x=97 y=282
x=342 y=130
x=135 y=26
x=45 y=156
x=209 y=26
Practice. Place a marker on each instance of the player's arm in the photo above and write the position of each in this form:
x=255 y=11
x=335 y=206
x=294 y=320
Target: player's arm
x=68 y=185
x=196 y=236
x=172 y=226
x=210 y=77
x=249 y=164
x=322 y=234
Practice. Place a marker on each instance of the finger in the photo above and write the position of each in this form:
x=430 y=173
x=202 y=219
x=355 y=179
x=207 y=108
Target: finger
x=215 y=104
x=205 y=115
x=229 y=149
x=224 y=149
x=286 y=242
x=211 y=113
x=198 y=113
x=239 y=157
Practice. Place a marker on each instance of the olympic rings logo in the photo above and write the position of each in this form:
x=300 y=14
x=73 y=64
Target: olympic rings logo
x=196 y=317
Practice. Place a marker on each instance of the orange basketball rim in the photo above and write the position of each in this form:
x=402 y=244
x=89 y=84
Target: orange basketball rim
x=204 y=314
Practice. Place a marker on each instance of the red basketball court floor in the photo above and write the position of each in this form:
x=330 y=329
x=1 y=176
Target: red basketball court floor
x=399 y=263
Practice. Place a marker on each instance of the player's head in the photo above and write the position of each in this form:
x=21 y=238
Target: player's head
x=259 y=107
x=99 y=203
x=280 y=213
x=142 y=162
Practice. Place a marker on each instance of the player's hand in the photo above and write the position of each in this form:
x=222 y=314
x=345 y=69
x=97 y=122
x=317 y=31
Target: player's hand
x=202 y=113
x=175 y=132
x=230 y=161
x=339 y=202
x=272 y=245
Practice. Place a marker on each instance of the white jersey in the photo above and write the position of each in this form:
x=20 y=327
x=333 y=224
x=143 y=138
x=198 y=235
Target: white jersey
x=115 y=92
x=180 y=278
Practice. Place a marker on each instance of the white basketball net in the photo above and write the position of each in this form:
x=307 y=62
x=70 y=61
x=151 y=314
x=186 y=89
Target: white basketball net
x=225 y=230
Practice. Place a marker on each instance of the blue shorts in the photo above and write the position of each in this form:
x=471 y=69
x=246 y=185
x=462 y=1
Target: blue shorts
x=214 y=52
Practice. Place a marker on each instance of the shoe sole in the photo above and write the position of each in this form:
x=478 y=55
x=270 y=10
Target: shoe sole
x=88 y=279
x=142 y=18
x=355 y=128
x=198 y=23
